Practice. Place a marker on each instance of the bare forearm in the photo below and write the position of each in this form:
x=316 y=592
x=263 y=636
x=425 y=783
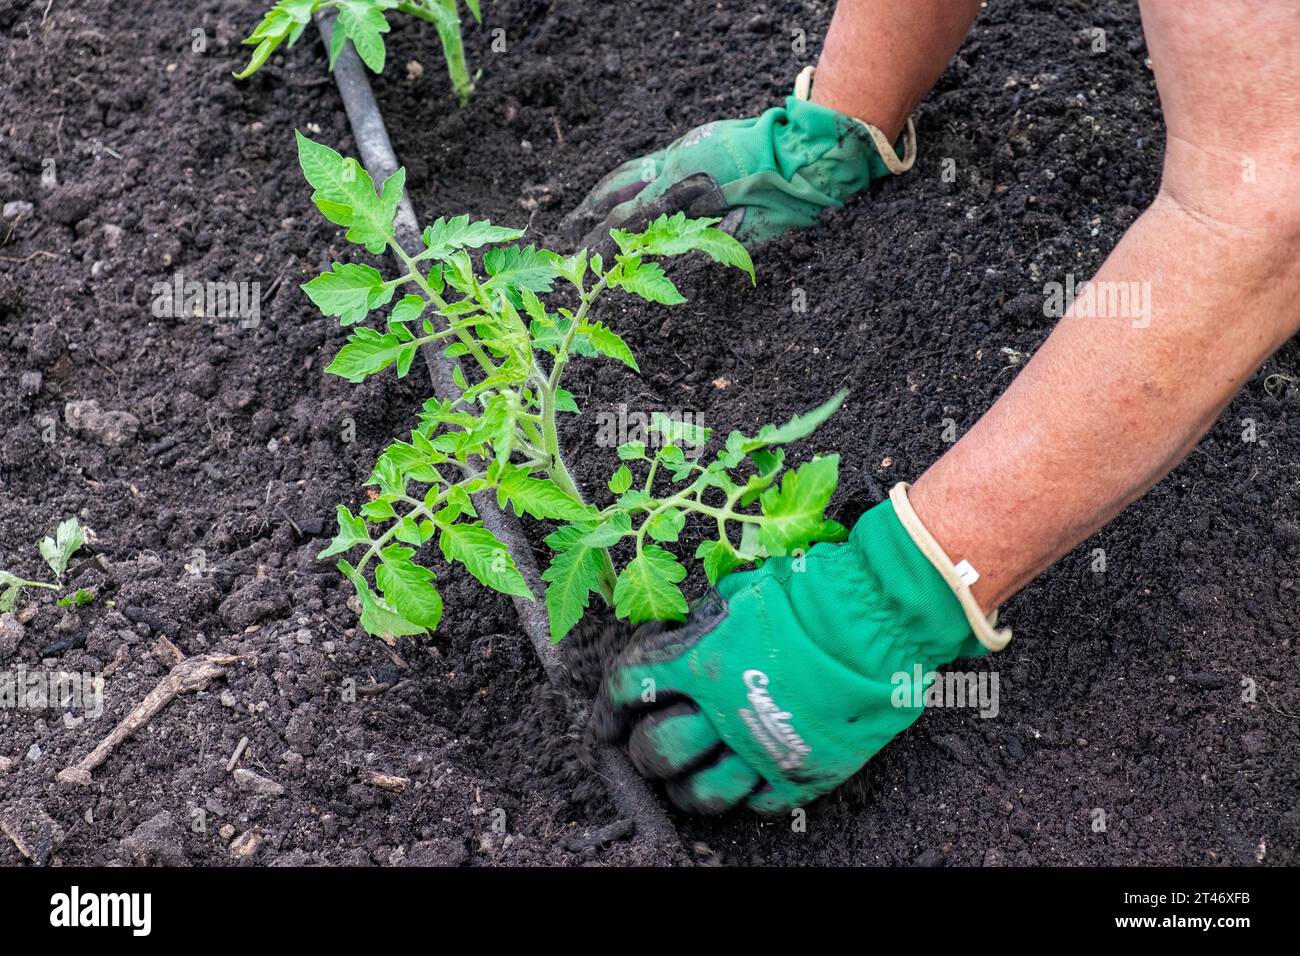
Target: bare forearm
x=882 y=56
x=1110 y=404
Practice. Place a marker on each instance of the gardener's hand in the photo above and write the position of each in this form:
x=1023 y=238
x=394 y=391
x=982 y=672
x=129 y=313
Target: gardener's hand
x=762 y=176
x=787 y=679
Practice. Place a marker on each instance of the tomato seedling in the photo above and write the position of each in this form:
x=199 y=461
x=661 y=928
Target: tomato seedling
x=57 y=552
x=500 y=434
x=364 y=23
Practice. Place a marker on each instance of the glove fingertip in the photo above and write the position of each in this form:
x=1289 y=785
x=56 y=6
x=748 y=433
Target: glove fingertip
x=716 y=789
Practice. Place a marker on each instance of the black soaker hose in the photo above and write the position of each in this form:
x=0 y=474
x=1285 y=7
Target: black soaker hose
x=631 y=796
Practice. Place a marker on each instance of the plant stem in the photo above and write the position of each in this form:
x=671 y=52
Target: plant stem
x=558 y=472
x=562 y=355
x=453 y=47
x=466 y=339
x=377 y=545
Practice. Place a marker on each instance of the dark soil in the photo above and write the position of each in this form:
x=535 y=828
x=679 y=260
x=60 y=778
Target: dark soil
x=1122 y=693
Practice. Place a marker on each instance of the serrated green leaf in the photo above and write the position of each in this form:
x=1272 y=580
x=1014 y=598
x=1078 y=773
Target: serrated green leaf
x=12 y=586
x=349 y=291
x=408 y=461
x=352 y=532
x=632 y=451
x=675 y=431
x=609 y=532
x=647 y=280
x=57 y=551
x=666 y=525
x=369 y=352
x=629 y=501
x=621 y=480
x=519 y=267
x=408 y=309
x=769 y=464
x=541 y=498
x=801 y=426
x=260 y=55
x=647 y=589
x=832 y=530
x=485 y=556
x=345 y=194
x=793 y=512
x=571 y=577
x=573 y=268
x=564 y=402
x=377 y=617
x=407 y=587
x=607 y=342
x=380 y=509
x=321 y=166
x=364 y=24
x=675 y=234
x=720 y=559
x=284 y=21
x=444 y=236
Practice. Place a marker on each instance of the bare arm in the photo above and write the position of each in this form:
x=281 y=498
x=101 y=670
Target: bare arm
x=882 y=56
x=1110 y=404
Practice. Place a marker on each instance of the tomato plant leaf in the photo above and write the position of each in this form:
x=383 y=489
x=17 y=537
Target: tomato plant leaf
x=621 y=480
x=377 y=617
x=408 y=588
x=485 y=556
x=519 y=267
x=793 y=511
x=646 y=279
x=719 y=558
x=607 y=342
x=666 y=525
x=349 y=291
x=539 y=497
x=675 y=234
x=571 y=577
x=675 y=431
x=647 y=589
x=364 y=24
x=369 y=352
x=444 y=236
x=352 y=532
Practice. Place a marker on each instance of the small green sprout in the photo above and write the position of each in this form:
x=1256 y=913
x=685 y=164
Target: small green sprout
x=364 y=23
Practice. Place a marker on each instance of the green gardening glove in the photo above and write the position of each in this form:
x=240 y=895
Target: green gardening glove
x=761 y=176
x=786 y=680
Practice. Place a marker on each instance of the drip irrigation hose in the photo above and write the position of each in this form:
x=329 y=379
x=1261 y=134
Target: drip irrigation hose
x=631 y=796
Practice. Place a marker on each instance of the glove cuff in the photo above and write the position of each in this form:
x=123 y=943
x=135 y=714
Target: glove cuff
x=958 y=577
x=886 y=150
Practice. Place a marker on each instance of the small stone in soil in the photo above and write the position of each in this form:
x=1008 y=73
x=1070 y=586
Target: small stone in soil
x=254 y=602
x=111 y=429
x=255 y=783
x=157 y=841
x=11 y=635
x=31 y=829
x=245 y=845
x=442 y=852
